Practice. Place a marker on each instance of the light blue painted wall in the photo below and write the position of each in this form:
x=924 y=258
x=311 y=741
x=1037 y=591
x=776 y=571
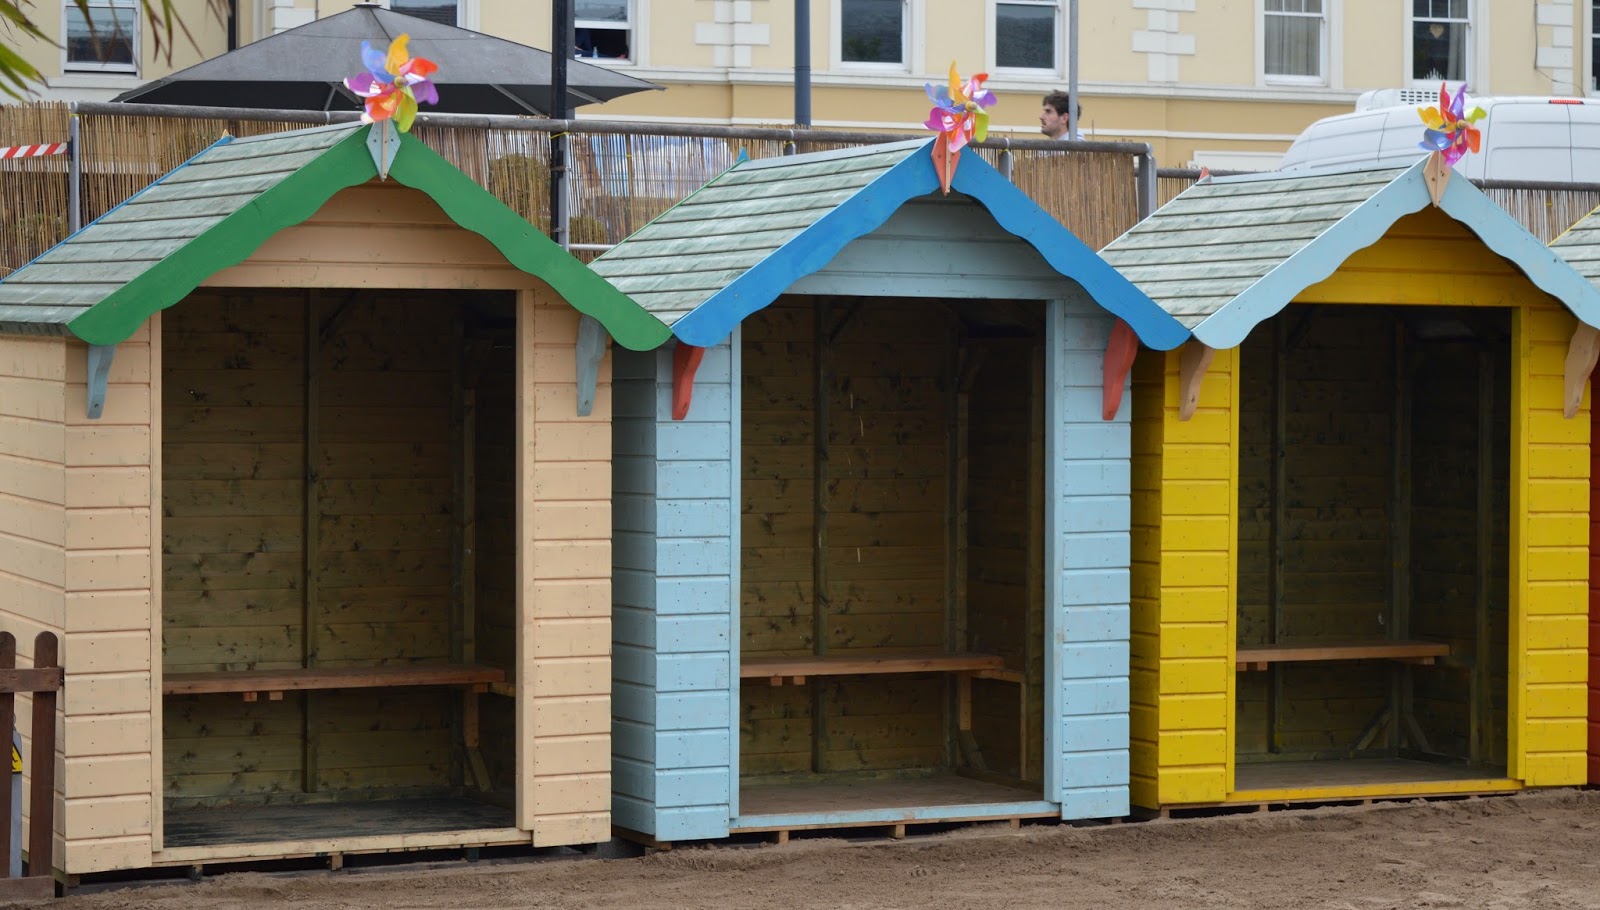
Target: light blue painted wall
x=1087 y=570
x=675 y=525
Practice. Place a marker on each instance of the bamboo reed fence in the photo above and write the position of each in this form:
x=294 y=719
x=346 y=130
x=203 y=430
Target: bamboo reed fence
x=1547 y=210
x=619 y=180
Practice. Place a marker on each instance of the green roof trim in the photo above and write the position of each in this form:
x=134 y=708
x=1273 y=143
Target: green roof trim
x=217 y=209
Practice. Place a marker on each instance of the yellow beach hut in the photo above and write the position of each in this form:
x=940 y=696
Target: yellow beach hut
x=310 y=471
x=1360 y=508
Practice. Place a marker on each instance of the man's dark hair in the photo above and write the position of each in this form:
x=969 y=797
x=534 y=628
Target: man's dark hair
x=1061 y=102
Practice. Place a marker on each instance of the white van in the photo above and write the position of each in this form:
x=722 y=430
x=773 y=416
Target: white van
x=1534 y=138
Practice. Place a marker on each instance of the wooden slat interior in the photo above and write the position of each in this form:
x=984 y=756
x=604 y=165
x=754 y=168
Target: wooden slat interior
x=379 y=603
x=894 y=541
x=1359 y=534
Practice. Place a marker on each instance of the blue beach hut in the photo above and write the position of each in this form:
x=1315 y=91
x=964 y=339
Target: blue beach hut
x=871 y=554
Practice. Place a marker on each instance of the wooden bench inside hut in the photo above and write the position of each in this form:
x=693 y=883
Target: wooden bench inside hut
x=1373 y=588
x=338 y=473
x=892 y=628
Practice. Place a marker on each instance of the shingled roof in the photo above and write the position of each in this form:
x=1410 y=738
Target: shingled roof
x=1231 y=252
x=217 y=208
x=741 y=240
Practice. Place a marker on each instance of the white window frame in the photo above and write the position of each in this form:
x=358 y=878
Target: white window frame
x=1477 y=39
x=466 y=12
x=911 y=40
x=636 y=15
x=1328 y=50
x=1585 y=76
x=1052 y=73
x=70 y=66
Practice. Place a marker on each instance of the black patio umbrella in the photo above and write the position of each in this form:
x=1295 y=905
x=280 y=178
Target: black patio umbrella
x=304 y=68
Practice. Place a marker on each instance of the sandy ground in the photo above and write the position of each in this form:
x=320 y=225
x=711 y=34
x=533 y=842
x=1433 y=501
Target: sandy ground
x=1536 y=851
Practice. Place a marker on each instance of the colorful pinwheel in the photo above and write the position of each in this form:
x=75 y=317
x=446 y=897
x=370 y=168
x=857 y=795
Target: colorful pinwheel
x=1450 y=131
x=959 y=117
x=393 y=84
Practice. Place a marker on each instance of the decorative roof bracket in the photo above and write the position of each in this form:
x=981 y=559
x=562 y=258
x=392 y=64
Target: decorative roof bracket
x=1582 y=353
x=99 y=375
x=685 y=360
x=591 y=349
x=1193 y=361
x=1120 y=353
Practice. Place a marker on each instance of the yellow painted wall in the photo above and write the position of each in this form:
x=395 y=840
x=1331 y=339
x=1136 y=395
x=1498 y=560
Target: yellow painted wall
x=1185 y=552
x=1185 y=542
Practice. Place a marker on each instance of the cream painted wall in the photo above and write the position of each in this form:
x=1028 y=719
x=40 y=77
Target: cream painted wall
x=1181 y=74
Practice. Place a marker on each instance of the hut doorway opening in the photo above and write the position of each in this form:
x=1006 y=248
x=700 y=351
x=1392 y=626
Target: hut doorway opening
x=338 y=474
x=1374 y=504
x=893 y=621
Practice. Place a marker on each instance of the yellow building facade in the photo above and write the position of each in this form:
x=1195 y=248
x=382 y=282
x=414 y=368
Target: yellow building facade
x=1226 y=84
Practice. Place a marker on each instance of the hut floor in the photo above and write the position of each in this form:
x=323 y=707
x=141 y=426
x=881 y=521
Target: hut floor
x=271 y=824
x=848 y=800
x=1361 y=778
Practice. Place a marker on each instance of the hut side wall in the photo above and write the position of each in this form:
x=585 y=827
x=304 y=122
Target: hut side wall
x=1594 y=594
x=1088 y=536
x=112 y=470
x=674 y=595
x=563 y=656
x=33 y=545
x=1185 y=515
x=1549 y=556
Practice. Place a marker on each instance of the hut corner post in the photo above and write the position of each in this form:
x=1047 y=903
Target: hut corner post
x=1582 y=353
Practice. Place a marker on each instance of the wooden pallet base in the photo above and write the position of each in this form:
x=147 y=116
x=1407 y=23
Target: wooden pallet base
x=1205 y=810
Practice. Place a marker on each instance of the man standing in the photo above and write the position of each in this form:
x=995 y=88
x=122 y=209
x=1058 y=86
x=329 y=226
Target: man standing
x=1053 y=118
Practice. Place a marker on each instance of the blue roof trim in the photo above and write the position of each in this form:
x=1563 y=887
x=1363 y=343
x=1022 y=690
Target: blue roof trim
x=1506 y=236
x=812 y=249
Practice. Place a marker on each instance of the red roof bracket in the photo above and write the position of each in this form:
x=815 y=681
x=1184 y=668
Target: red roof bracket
x=1120 y=351
x=685 y=360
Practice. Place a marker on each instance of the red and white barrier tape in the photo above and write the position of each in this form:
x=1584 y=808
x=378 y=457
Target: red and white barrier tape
x=32 y=151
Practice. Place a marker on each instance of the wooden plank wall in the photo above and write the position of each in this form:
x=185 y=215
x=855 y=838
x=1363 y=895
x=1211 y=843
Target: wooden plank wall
x=673 y=618
x=33 y=511
x=564 y=568
x=1004 y=601
x=1089 y=520
x=384 y=501
x=494 y=429
x=1593 y=699
x=112 y=468
x=75 y=502
x=1445 y=547
x=1336 y=577
x=887 y=478
x=1549 y=556
x=776 y=484
x=887 y=551
x=1184 y=579
x=235 y=494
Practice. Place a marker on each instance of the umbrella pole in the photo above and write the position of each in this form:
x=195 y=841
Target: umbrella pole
x=561 y=33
